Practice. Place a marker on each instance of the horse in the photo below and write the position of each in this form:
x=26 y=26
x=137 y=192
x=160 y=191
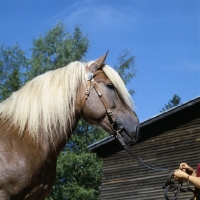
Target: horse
x=37 y=121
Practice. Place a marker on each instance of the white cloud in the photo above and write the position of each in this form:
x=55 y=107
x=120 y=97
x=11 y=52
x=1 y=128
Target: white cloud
x=96 y=16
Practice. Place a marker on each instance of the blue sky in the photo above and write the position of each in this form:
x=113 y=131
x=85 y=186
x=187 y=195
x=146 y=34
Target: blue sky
x=163 y=35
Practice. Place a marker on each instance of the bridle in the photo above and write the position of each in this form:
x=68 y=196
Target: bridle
x=91 y=82
x=169 y=185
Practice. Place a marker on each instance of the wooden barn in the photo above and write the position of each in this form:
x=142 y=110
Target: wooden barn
x=166 y=140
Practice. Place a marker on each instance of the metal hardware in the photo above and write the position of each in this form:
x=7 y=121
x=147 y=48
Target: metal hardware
x=89 y=76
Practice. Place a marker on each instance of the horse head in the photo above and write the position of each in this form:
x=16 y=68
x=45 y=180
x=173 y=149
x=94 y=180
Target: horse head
x=107 y=102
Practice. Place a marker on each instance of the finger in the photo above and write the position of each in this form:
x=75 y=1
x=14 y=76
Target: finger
x=175 y=178
x=182 y=165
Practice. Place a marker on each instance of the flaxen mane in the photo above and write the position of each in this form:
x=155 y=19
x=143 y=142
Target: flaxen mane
x=48 y=100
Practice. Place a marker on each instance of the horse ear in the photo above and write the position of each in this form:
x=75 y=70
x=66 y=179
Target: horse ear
x=98 y=64
x=101 y=60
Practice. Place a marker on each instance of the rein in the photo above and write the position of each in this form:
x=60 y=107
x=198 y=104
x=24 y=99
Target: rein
x=169 y=185
x=144 y=163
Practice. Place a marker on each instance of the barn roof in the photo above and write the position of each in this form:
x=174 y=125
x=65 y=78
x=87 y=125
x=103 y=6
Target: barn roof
x=153 y=126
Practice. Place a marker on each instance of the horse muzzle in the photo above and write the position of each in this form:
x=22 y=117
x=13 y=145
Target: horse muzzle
x=128 y=137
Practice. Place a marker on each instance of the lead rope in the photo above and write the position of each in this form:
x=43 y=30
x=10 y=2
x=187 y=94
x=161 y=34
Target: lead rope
x=146 y=164
x=169 y=185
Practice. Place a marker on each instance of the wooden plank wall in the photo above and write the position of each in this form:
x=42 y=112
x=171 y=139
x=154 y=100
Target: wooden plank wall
x=124 y=178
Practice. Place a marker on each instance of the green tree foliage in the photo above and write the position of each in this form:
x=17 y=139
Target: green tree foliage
x=13 y=64
x=125 y=67
x=56 y=49
x=175 y=101
x=78 y=171
x=85 y=135
x=78 y=176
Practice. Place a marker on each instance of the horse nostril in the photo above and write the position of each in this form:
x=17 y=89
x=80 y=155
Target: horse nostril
x=137 y=131
x=137 y=128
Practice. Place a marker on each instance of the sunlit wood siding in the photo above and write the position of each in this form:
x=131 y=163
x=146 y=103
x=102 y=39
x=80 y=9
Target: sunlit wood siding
x=125 y=178
x=166 y=140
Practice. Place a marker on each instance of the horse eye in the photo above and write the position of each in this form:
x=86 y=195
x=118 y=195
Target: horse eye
x=111 y=86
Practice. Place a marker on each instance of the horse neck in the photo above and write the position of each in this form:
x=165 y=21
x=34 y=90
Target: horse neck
x=58 y=143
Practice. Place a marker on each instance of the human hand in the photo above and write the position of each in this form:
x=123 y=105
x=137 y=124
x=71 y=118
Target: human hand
x=186 y=168
x=180 y=175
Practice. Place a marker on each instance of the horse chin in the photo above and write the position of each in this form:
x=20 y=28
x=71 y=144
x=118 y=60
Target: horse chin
x=133 y=141
x=129 y=139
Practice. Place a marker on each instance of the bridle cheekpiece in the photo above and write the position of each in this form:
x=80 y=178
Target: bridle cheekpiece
x=91 y=81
